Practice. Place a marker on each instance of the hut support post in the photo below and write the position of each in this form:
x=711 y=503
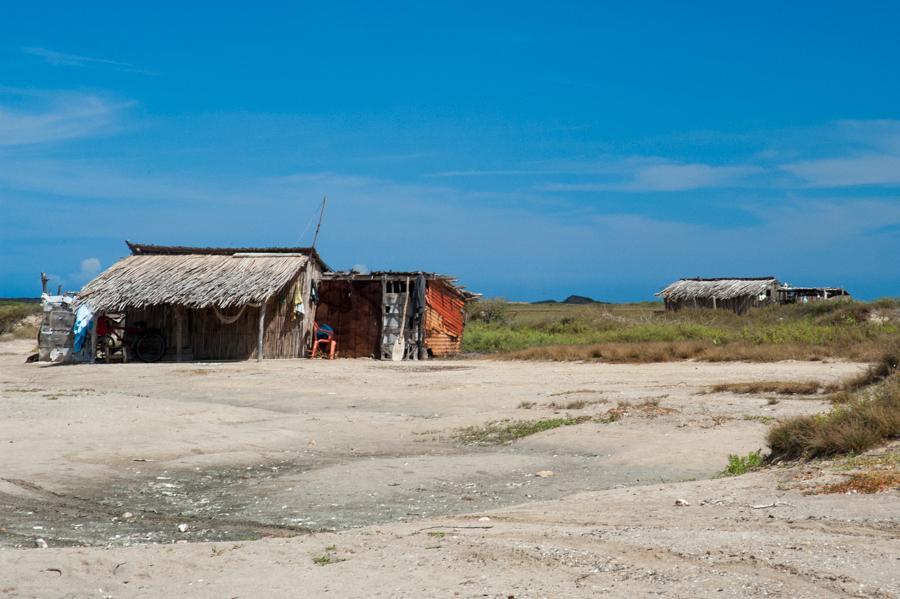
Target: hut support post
x=178 y=344
x=262 y=329
x=94 y=340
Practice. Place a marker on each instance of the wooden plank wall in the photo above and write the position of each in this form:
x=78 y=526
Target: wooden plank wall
x=444 y=319
x=738 y=305
x=284 y=330
x=353 y=309
x=205 y=337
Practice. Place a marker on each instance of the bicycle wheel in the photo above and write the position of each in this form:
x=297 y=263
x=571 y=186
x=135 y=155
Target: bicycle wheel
x=150 y=347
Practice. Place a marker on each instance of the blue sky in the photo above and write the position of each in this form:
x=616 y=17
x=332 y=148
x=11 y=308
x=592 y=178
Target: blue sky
x=532 y=149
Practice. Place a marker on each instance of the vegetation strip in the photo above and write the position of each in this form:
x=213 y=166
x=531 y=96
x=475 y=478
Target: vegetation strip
x=12 y=313
x=778 y=387
x=644 y=333
x=865 y=421
x=507 y=431
x=498 y=433
x=863 y=417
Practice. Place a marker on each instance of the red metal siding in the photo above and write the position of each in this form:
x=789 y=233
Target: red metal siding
x=444 y=319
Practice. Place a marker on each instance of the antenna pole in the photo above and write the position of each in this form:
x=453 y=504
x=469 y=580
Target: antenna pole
x=319 y=225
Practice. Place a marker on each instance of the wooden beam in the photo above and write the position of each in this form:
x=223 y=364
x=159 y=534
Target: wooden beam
x=262 y=330
x=178 y=319
x=94 y=340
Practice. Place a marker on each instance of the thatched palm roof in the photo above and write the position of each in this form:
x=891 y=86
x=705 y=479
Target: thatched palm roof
x=721 y=289
x=147 y=249
x=191 y=280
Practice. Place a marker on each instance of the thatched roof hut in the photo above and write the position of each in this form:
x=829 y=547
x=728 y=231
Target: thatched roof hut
x=238 y=303
x=192 y=281
x=737 y=294
x=201 y=296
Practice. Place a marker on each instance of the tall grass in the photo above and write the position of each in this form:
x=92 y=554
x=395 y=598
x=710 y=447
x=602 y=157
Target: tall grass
x=866 y=414
x=644 y=332
x=870 y=419
x=12 y=313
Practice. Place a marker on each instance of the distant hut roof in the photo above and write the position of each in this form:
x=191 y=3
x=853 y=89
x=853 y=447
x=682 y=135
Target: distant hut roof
x=719 y=288
x=193 y=277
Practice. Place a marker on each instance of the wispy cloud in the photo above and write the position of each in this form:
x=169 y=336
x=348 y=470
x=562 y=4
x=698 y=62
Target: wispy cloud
x=622 y=173
x=882 y=135
x=847 y=172
x=856 y=153
x=676 y=177
x=76 y=60
x=840 y=154
x=664 y=176
x=54 y=116
x=488 y=173
x=806 y=256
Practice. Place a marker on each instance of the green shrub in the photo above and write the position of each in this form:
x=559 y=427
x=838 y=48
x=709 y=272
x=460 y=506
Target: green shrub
x=493 y=311
x=738 y=464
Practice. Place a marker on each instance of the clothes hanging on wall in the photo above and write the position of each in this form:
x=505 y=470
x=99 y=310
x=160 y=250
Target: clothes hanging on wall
x=299 y=310
x=83 y=322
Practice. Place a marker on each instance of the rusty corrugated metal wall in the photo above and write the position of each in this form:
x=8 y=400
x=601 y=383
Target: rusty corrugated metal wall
x=444 y=319
x=353 y=310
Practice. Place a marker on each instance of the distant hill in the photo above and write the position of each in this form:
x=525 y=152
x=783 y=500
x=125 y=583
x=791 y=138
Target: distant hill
x=572 y=299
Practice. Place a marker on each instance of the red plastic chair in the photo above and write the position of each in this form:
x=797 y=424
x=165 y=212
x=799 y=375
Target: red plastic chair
x=326 y=337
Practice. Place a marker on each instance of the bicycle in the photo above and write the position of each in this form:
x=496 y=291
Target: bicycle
x=147 y=344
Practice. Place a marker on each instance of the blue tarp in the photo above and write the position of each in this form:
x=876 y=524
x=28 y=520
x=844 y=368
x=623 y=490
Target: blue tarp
x=83 y=320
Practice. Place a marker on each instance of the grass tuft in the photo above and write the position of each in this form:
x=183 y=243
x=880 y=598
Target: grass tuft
x=779 y=387
x=328 y=557
x=575 y=404
x=738 y=464
x=867 y=418
x=507 y=431
x=886 y=365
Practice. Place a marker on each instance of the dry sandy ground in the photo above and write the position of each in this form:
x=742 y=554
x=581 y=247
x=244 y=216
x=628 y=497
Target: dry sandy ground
x=345 y=478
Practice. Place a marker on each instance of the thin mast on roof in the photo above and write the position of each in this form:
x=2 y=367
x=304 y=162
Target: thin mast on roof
x=319 y=225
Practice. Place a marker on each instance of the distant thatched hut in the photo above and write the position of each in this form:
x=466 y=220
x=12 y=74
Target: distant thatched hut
x=214 y=303
x=736 y=294
x=369 y=311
